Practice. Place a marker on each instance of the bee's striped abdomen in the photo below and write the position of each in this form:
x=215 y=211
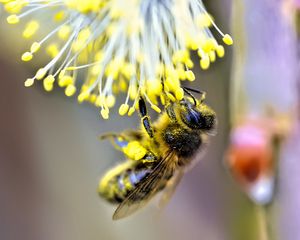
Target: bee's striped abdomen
x=121 y=180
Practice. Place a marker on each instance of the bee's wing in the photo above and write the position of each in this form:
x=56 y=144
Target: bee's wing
x=170 y=188
x=147 y=188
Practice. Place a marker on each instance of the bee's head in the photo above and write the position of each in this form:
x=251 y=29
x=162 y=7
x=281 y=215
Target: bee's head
x=197 y=115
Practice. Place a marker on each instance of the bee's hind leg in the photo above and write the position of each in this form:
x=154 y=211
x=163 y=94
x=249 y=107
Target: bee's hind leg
x=119 y=141
x=145 y=117
x=129 y=145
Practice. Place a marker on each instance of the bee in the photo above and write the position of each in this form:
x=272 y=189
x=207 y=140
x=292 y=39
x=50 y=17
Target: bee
x=158 y=153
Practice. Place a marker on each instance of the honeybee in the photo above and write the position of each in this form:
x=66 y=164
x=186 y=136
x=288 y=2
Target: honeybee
x=158 y=153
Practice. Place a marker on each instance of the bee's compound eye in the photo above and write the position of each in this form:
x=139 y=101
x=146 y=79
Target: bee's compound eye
x=203 y=118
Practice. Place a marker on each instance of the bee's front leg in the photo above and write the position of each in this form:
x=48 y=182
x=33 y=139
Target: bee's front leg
x=145 y=118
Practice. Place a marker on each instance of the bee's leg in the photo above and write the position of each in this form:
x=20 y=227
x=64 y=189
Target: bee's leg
x=145 y=118
x=132 y=148
x=118 y=140
x=170 y=111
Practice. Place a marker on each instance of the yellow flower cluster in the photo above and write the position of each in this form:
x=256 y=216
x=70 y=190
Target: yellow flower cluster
x=100 y=48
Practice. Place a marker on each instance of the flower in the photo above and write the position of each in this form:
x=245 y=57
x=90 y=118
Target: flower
x=118 y=46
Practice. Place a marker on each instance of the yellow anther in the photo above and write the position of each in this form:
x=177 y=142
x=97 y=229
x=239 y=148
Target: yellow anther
x=65 y=81
x=123 y=109
x=209 y=45
x=204 y=63
x=48 y=86
x=131 y=111
x=64 y=32
x=40 y=73
x=99 y=56
x=27 y=56
x=29 y=82
x=15 y=6
x=181 y=73
x=171 y=97
x=95 y=70
x=190 y=75
x=203 y=20
x=227 y=39
x=49 y=79
x=13 y=19
x=220 y=51
x=100 y=100
x=35 y=47
x=179 y=93
x=189 y=63
x=180 y=56
x=62 y=73
x=70 y=90
x=212 y=56
x=52 y=50
x=128 y=70
x=81 y=40
x=110 y=101
x=104 y=113
x=92 y=98
x=133 y=92
x=83 y=96
x=155 y=108
x=59 y=16
x=122 y=85
x=30 y=29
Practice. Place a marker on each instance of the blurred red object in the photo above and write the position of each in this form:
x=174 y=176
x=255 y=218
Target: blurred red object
x=250 y=158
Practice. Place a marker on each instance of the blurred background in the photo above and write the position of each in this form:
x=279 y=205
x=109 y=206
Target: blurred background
x=51 y=158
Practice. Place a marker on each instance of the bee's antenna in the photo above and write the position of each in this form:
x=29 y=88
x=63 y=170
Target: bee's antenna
x=195 y=90
x=191 y=95
x=203 y=93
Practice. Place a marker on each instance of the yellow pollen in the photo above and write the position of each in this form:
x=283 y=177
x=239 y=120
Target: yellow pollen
x=35 y=47
x=30 y=29
x=227 y=39
x=40 y=73
x=190 y=75
x=123 y=109
x=131 y=111
x=204 y=63
x=105 y=113
x=65 y=81
x=179 y=94
x=29 y=82
x=110 y=101
x=220 y=51
x=70 y=90
x=83 y=96
x=48 y=86
x=155 y=108
x=27 y=56
x=49 y=80
x=13 y=19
